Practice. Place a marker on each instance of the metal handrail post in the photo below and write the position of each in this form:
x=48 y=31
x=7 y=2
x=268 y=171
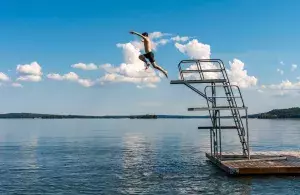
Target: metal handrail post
x=247 y=127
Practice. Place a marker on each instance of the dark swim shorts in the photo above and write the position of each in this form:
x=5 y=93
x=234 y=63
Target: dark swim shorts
x=149 y=56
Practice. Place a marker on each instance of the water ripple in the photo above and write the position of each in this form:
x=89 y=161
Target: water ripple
x=82 y=159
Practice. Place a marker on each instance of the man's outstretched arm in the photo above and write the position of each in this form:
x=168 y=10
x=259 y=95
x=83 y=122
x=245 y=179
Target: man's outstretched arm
x=136 y=33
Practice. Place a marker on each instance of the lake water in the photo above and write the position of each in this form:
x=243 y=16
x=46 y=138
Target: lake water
x=132 y=157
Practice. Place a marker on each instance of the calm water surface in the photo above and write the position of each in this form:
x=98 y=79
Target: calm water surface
x=132 y=157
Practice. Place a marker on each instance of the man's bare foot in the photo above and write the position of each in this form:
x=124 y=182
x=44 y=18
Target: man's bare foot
x=166 y=73
x=147 y=66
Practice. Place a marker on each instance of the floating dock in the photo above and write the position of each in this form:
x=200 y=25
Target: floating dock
x=261 y=163
x=194 y=73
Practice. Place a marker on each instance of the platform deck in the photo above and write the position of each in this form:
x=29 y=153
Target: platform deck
x=261 y=163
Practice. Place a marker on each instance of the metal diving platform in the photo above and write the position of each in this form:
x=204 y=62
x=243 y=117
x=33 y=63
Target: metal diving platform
x=221 y=96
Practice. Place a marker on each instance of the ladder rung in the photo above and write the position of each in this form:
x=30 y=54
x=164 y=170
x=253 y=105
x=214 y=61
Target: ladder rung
x=198 y=81
x=222 y=127
x=216 y=108
x=226 y=97
x=201 y=60
x=199 y=71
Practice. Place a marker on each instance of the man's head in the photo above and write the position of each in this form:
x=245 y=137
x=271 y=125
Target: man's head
x=145 y=34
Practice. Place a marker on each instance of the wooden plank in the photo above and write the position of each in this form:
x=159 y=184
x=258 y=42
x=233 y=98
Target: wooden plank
x=260 y=159
x=222 y=166
x=261 y=163
x=270 y=170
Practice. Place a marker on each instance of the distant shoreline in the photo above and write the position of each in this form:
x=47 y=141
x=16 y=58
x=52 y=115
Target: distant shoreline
x=54 y=116
x=289 y=113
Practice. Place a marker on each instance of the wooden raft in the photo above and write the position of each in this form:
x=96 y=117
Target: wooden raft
x=261 y=163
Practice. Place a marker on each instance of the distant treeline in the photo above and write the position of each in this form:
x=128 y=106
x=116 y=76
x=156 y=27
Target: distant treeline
x=273 y=114
x=278 y=113
x=54 y=116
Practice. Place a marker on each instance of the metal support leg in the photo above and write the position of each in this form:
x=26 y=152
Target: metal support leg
x=211 y=148
x=214 y=142
x=247 y=128
x=220 y=136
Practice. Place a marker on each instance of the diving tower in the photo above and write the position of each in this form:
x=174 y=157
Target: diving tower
x=209 y=79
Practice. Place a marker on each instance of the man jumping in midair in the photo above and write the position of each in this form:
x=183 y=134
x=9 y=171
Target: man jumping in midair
x=148 y=53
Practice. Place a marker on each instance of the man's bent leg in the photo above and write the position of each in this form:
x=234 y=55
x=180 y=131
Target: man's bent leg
x=154 y=64
x=142 y=57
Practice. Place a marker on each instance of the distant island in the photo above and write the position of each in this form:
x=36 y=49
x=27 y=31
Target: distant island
x=55 y=116
x=278 y=114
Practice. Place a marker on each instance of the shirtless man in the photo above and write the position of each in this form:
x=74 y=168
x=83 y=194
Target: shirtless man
x=148 y=53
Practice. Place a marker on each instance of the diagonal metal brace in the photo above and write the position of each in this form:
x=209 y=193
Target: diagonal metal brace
x=197 y=91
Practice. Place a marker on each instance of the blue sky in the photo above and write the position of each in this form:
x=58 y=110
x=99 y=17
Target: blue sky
x=57 y=34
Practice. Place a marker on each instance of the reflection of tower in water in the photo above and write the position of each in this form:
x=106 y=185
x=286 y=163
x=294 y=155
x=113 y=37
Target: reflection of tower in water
x=28 y=152
x=27 y=164
x=137 y=162
x=136 y=151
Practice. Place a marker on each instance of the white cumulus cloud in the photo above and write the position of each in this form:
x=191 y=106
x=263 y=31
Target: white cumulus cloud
x=3 y=77
x=280 y=71
x=285 y=85
x=162 y=42
x=29 y=72
x=137 y=44
x=294 y=67
x=86 y=82
x=196 y=50
x=109 y=68
x=238 y=75
x=117 y=78
x=132 y=70
x=16 y=85
x=156 y=38
x=157 y=35
x=180 y=39
x=72 y=77
x=31 y=69
x=285 y=88
x=30 y=78
x=55 y=76
x=83 y=66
